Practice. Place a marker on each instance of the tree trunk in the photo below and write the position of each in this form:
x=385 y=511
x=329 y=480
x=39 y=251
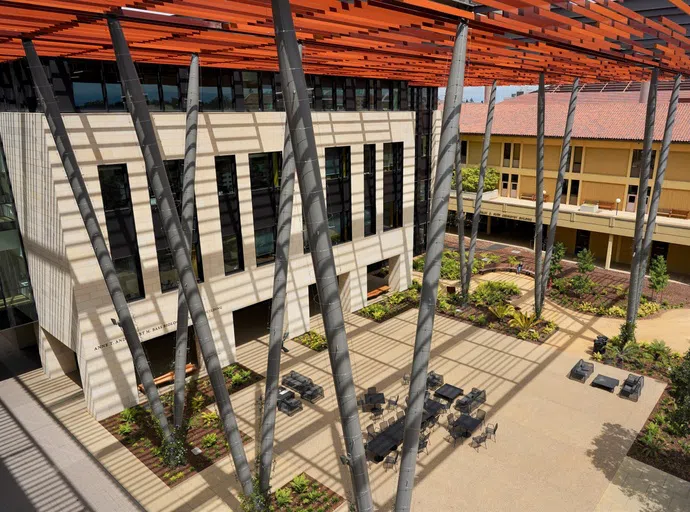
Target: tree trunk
x=460 y=216
x=188 y=228
x=476 y=217
x=636 y=266
x=432 y=268
x=314 y=207
x=284 y=223
x=539 y=207
x=562 y=169
x=100 y=248
x=158 y=181
x=658 y=183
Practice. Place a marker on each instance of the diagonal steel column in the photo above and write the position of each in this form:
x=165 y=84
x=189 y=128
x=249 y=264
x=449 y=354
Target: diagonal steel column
x=539 y=199
x=432 y=268
x=275 y=340
x=476 y=217
x=314 y=207
x=635 y=267
x=460 y=214
x=658 y=184
x=100 y=248
x=188 y=227
x=158 y=181
x=562 y=169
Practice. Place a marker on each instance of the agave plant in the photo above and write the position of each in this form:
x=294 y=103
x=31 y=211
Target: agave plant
x=522 y=321
x=501 y=311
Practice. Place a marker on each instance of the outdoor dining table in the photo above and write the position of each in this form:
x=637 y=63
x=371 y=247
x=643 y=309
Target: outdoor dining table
x=467 y=423
x=471 y=400
x=448 y=392
x=389 y=440
x=375 y=399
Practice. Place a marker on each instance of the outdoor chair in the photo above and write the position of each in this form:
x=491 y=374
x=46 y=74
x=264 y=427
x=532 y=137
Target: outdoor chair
x=491 y=430
x=383 y=426
x=454 y=434
x=480 y=414
x=391 y=461
x=451 y=419
x=406 y=378
x=393 y=402
x=423 y=445
x=371 y=430
x=376 y=412
x=400 y=415
x=632 y=387
x=371 y=391
x=478 y=441
x=581 y=371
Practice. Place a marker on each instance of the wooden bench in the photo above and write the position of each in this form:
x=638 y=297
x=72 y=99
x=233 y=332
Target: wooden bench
x=378 y=291
x=533 y=197
x=664 y=212
x=606 y=206
x=679 y=214
x=168 y=378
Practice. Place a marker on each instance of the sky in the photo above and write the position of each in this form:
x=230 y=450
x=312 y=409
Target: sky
x=477 y=93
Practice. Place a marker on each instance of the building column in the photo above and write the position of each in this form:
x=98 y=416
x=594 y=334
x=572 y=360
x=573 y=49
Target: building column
x=609 y=252
x=57 y=359
x=399 y=276
x=344 y=289
x=358 y=288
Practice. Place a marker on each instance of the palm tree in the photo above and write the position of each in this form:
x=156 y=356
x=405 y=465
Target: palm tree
x=539 y=205
x=160 y=186
x=562 y=169
x=432 y=268
x=100 y=248
x=476 y=217
x=636 y=266
x=188 y=227
x=314 y=208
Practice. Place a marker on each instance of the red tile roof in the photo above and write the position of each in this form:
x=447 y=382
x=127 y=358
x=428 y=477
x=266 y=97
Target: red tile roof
x=613 y=116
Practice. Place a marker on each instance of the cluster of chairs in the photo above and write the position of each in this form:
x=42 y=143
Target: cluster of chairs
x=457 y=433
x=304 y=386
x=632 y=386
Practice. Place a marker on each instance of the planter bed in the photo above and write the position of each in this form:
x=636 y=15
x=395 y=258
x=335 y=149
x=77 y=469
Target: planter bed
x=144 y=442
x=393 y=312
x=315 y=497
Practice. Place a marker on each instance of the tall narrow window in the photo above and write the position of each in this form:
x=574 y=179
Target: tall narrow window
x=577 y=158
x=463 y=151
x=327 y=93
x=87 y=86
x=574 y=191
x=511 y=154
x=250 y=83
x=371 y=94
x=267 y=103
x=166 y=265
x=360 y=94
x=208 y=89
x=170 y=88
x=516 y=154
x=113 y=87
x=226 y=179
x=264 y=173
x=638 y=162
x=227 y=89
x=385 y=95
x=506 y=154
x=122 y=233
x=338 y=200
x=148 y=76
x=392 y=185
x=339 y=84
x=369 y=189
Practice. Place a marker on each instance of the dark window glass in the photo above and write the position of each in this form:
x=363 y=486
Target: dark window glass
x=360 y=95
x=396 y=96
x=87 y=86
x=208 y=89
x=385 y=95
x=506 y=154
x=574 y=191
x=226 y=179
x=638 y=163
x=463 y=152
x=371 y=91
x=392 y=185
x=166 y=267
x=170 y=87
x=267 y=92
x=264 y=173
x=577 y=158
x=425 y=146
x=113 y=87
x=338 y=198
x=327 y=93
x=516 y=154
x=339 y=93
x=250 y=83
x=148 y=75
x=369 y=189
x=122 y=235
x=227 y=90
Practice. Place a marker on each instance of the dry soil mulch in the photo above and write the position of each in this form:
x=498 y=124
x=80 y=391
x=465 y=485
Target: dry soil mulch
x=144 y=442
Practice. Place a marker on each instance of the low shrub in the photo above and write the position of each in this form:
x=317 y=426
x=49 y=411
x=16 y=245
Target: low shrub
x=418 y=264
x=648 y=308
x=210 y=419
x=125 y=429
x=313 y=340
x=581 y=284
x=492 y=293
x=299 y=484
x=513 y=261
x=375 y=311
x=283 y=497
x=502 y=311
x=198 y=402
x=490 y=257
x=209 y=440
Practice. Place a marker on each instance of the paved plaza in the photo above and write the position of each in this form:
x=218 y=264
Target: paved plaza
x=560 y=444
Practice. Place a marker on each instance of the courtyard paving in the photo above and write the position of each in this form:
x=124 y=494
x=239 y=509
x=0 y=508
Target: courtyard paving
x=559 y=444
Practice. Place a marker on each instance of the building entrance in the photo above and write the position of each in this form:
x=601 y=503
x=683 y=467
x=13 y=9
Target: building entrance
x=160 y=352
x=252 y=322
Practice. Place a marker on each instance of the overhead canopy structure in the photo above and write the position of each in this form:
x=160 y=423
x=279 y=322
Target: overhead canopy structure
x=510 y=40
